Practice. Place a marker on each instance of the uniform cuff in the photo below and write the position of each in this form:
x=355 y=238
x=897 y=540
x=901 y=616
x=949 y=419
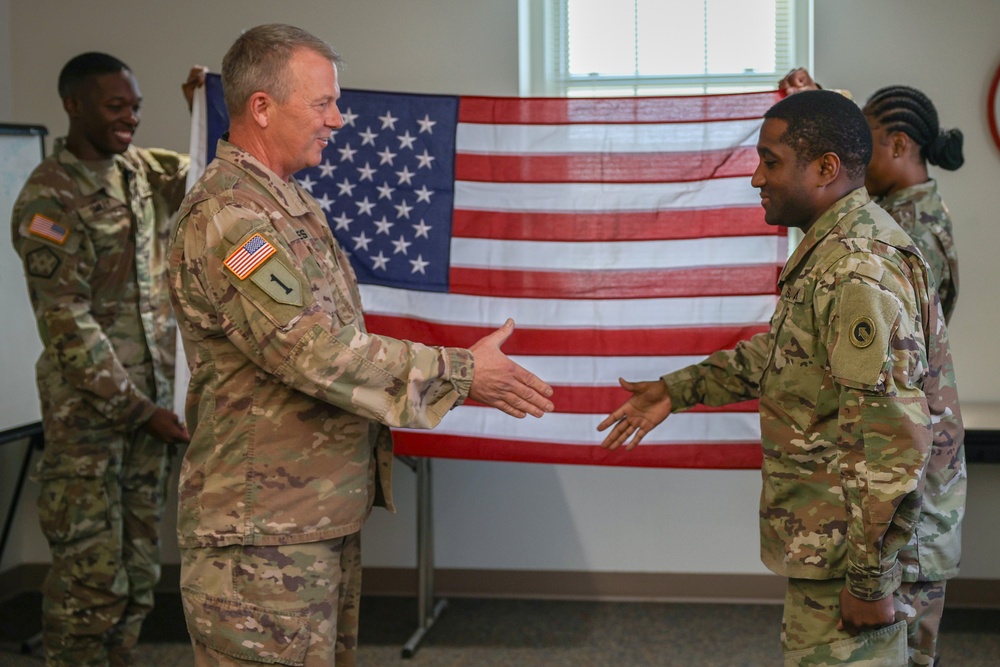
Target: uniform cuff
x=868 y=585
x=461 y=368
x=679 y=384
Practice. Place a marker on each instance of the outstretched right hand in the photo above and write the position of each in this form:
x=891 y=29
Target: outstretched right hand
x=649 y=406
x=503 y=384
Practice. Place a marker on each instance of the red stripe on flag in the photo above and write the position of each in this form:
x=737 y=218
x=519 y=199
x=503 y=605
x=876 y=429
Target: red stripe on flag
x=613 y=226
x=607 y=167
x=696 y=455
x=571 y=342
x=707 y=281
x=680 y=109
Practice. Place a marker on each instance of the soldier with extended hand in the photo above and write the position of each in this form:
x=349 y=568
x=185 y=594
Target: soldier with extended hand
x=290 y=394
x=864 y=470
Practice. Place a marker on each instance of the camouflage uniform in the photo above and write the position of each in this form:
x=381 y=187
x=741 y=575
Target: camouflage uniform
x=920 y=212
x=289 y=396
x=94 y=244
x=864 y=471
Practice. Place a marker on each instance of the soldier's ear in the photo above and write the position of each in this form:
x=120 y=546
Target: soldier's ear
x=71 y=104
x=261 y=107
x=901 y=143
x=828 y=168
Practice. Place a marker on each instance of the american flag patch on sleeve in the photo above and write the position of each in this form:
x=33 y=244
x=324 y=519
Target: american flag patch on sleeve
x=246 y=258
x=53 y=231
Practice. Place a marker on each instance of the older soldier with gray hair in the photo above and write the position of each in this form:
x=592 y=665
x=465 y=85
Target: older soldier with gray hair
x=864 y=468
x=290 y=394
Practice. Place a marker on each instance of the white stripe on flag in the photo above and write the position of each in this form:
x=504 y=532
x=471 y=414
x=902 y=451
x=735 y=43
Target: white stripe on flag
x=571 y=313
x=563 y=428
x=606 y=138
x=605 y=197
x=622 y=255
x=601 y=371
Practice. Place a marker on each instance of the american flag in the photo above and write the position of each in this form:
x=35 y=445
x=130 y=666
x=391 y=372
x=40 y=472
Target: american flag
x=42 y=226
x=249 y=256
x=622 y=236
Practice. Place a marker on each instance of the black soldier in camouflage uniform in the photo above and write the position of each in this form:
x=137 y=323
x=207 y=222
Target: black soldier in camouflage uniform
x=92 y=225
x=864 y=477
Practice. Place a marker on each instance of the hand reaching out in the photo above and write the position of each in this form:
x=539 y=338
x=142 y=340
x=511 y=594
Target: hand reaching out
x=649 y=406
x=503 y=384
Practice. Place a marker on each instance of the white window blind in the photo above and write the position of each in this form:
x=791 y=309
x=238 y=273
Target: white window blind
x=587 y=48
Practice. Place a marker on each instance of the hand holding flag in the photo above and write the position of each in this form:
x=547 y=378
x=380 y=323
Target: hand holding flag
x=649 y=406
x=503 y=384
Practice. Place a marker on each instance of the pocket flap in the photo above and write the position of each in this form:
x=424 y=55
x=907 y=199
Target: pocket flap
x=246 y=631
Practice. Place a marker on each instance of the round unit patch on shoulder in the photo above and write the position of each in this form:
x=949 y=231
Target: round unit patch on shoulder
x=862 y=332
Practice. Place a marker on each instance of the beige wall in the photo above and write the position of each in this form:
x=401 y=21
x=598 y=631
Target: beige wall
x=496 y=515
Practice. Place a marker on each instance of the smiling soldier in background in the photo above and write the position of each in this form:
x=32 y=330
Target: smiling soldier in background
x=92 y=226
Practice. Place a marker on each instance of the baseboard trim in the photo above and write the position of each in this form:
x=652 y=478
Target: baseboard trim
x=561 y=585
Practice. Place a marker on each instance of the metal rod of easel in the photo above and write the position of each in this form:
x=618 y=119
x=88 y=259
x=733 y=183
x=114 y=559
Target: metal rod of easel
x=427 y=611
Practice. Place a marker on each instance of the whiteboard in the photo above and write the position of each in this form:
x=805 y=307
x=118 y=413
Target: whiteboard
x=22 y=147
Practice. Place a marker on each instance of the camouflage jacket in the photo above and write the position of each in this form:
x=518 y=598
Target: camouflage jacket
x=95 y=258
x=920 y=212
x=864 y=469
x=289 y=393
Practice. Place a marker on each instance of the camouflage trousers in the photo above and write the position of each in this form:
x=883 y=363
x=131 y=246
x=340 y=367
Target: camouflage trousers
x=809 y=635
x=101 y=515
x=293 y=604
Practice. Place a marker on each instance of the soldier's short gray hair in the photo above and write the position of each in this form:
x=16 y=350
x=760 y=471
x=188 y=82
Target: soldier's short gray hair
x=257 y=62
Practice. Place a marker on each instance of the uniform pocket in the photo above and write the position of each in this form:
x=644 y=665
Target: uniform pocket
x=885 y=647
x=72 y=508
x=246 y=631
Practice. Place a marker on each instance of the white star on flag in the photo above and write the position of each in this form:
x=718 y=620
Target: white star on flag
x=347 y=153
x=307 y=183
x=326 y=169
x=406 y=141
x=388 y=121
x=426 y=124
x=419 y=264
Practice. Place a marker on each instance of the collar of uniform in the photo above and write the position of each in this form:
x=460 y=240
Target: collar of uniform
x=287 y=193
x=823 y=226
x=913 y=193
x=86 y=179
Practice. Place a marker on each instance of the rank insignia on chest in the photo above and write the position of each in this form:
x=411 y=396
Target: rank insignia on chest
x=247 y=257
x=49 y=229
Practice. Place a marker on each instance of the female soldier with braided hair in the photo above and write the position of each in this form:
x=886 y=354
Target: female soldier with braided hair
x=907 y=136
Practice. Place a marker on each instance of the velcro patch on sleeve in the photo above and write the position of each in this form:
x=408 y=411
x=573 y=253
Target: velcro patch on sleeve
x=866 y=320
x=279 y=283
x=248 y=256
x=48 y=229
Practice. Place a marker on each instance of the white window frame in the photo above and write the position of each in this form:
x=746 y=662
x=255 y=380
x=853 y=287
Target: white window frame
x=541 y=30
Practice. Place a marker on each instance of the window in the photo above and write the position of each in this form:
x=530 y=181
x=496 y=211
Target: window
x=593 y=48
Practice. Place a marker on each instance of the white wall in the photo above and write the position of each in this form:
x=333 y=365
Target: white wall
x=5 y=111
x=521 y=516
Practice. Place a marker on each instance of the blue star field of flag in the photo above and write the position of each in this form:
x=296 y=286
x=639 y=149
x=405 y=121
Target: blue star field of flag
x=386 y=185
